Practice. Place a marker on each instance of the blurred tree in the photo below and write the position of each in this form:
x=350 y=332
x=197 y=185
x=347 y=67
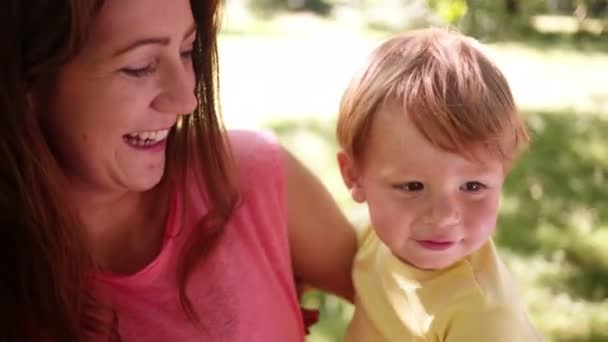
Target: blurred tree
x=399 y=15
x=512 y=6
x=320 y=7
x=497 y=19
x=450 y=11
x=592 y=8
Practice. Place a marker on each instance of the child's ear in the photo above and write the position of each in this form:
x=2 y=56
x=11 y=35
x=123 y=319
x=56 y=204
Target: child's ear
x=351 y=176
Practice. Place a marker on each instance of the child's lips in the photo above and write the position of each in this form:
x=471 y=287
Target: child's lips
x=435 y=245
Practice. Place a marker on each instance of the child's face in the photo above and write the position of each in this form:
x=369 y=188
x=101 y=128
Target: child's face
x=430 y=207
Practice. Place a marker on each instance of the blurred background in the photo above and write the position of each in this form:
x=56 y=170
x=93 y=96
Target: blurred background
x=285 y=63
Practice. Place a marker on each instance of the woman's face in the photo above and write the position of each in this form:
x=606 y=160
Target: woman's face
x=108 y=113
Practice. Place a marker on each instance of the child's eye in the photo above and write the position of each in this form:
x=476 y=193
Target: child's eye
x=472 y=186
x=140 y=72
x=409 y=186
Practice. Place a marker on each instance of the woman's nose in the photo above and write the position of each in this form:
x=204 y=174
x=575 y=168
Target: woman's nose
x=178 y=94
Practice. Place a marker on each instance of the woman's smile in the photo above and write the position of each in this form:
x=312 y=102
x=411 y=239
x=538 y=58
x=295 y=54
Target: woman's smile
x=147 y=140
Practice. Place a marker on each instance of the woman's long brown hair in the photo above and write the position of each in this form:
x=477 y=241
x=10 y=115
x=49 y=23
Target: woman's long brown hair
x=44 y=258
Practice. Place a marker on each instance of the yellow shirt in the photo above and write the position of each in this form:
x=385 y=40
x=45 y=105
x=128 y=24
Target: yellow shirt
x=471 y=301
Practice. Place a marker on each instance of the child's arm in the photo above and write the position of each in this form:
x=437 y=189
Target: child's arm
x=500 y=324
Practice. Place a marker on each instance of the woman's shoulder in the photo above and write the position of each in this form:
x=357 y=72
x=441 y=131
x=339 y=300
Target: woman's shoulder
x=256 y=152
x=250 y=140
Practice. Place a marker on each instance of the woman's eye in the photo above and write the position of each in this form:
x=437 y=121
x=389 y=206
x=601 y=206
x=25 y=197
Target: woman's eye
x=473 y=186
x=140 y=72
x=186 y=55
x=409 y=186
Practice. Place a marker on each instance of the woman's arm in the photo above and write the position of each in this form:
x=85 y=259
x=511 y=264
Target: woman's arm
x=322 y=241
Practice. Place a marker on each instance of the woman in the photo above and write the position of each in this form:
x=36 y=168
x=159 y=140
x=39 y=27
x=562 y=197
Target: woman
x=123 y=217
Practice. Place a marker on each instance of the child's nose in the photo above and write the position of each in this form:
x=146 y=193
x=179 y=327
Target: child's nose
x=443 y=212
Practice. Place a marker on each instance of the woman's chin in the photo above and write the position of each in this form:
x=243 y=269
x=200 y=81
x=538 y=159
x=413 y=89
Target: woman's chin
x=145 y=183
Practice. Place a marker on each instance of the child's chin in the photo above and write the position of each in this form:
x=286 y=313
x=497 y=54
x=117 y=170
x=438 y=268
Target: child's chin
x=435 y=264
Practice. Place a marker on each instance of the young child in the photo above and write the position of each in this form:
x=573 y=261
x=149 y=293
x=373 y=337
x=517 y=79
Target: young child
x=429 y=131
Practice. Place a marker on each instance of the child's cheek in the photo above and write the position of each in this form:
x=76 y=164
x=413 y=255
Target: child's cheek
x=482 y=217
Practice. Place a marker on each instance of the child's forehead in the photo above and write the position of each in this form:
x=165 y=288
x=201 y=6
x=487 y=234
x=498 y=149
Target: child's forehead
x=395 y=136
x=429 y=165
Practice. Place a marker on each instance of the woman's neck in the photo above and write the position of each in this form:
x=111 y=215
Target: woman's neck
x=125 y=229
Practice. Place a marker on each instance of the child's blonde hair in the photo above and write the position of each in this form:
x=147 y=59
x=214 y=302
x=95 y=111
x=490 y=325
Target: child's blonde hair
x=451 y=91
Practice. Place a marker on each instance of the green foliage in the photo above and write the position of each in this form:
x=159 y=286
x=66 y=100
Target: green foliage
x=397 y=15
x=552 y=213
x=450 y=11
x=489 y=19
x=269 y=7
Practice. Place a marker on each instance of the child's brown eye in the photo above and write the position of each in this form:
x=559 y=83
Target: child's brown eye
x=472 y=186
x=410 y=186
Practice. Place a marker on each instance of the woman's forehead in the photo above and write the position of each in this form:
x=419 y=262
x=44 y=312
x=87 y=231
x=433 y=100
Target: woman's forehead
x=122 y=21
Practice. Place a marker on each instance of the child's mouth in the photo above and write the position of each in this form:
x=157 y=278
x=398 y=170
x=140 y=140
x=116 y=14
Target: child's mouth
x=435 y=245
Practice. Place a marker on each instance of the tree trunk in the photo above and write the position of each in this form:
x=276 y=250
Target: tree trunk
x=512 y=6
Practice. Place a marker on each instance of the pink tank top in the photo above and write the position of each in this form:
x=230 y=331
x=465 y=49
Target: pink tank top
x=245 y=290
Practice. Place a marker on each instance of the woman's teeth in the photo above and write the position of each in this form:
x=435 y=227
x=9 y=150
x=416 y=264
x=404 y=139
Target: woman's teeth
x=147 y=138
